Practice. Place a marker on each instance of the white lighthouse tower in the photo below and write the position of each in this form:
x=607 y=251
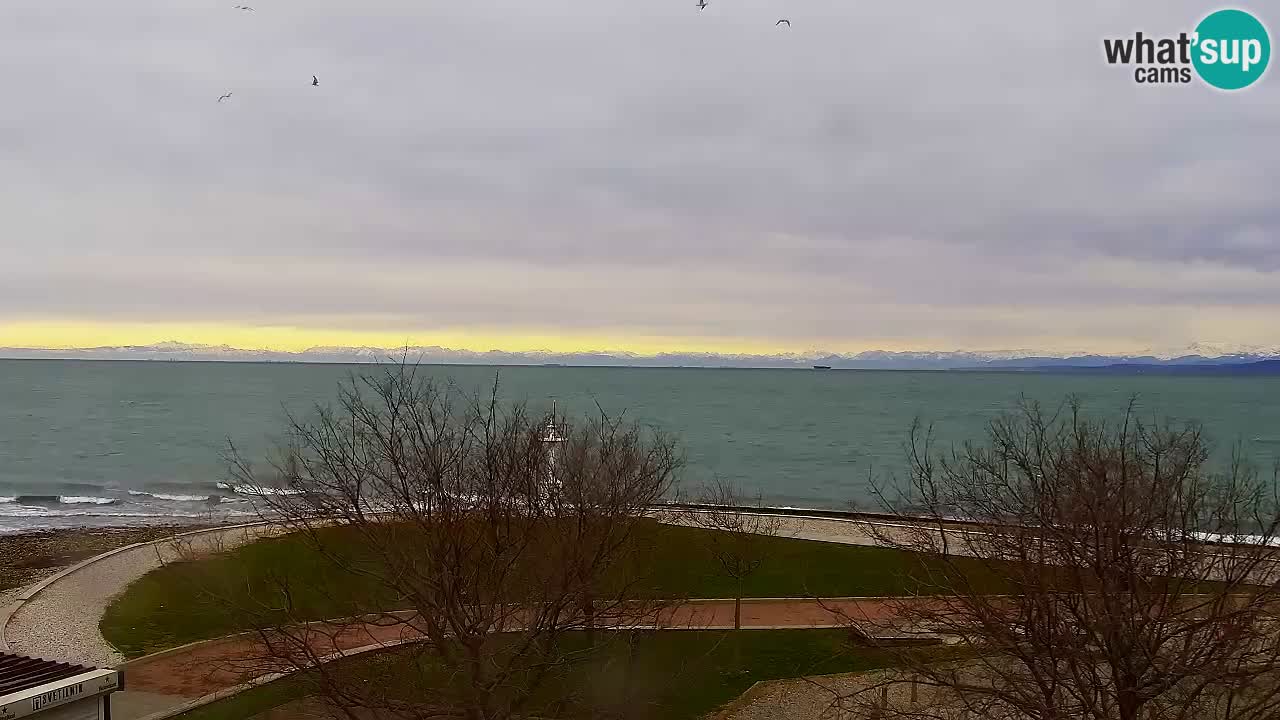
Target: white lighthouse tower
x=553 y=439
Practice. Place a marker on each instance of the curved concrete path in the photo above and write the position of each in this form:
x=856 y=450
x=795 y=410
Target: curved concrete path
x=58 y=617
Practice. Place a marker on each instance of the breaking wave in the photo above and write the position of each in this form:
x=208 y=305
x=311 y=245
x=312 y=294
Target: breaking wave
x=63 y=500
x=256 y=490
x=172 y=497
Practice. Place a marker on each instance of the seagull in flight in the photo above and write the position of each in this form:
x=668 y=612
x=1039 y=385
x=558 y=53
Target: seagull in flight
x=314 y=81
x=224 y=97
x=702 y=4
x=244 y=7
x=783 y=20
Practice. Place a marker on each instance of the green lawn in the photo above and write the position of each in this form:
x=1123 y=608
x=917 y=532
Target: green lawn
x=184 y=602
x=673 y=675
x=253 y=702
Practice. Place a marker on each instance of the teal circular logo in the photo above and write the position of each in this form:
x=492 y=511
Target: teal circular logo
x=1231 y=49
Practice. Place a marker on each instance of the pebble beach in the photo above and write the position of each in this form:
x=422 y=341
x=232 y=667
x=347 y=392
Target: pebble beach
x=28 y=557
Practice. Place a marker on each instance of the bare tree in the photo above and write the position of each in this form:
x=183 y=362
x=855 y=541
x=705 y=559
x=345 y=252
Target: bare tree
x=1137 y=583
x=739 y=536
x=456 y=531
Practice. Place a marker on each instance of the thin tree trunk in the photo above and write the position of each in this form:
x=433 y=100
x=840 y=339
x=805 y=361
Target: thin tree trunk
x=628 y=682
x=737 y=607
x=1128 y=706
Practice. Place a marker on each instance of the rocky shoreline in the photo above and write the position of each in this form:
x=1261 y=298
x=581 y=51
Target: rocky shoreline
x=28 y=557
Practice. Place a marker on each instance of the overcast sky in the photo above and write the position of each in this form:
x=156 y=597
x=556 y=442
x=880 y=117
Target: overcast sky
x=627 y=174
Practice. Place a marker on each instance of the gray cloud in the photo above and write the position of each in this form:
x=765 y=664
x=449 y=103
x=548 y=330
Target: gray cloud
x=975 y=175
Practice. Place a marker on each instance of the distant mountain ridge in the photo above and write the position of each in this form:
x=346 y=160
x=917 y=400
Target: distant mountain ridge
x=1257 y=367
x=1197 y=358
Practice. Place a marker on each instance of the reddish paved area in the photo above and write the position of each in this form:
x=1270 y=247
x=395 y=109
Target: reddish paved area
x=220 y=664
x=776 y=613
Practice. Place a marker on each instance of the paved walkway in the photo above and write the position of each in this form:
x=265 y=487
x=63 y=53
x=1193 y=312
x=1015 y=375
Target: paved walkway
x=60 y=621
x=835 y=530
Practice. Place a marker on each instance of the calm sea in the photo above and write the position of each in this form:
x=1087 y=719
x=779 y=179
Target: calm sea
x=84 y=443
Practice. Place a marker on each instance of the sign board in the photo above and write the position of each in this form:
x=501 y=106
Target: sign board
x=85 y=691
x=91 y=709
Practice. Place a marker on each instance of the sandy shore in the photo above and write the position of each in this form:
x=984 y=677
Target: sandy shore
x=28 y=557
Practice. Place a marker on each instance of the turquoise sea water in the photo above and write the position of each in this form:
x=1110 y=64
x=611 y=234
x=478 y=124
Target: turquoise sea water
x=126 y=442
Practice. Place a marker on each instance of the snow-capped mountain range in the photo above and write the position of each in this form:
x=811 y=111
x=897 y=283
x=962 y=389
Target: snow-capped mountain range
x=1200 y=354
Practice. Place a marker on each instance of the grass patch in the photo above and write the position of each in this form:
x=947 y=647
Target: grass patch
x=675 y=675
x=252 y=702
x=683 y=567
x=188 y=601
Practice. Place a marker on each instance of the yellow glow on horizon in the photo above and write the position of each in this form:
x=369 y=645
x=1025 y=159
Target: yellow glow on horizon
x=71 y=334
x=67 y=333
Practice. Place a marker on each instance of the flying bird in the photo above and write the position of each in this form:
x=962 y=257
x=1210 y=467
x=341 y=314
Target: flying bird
x=702 y=4
x=783 y=20
x=244 y=7
x=224 y=97
x=314 y=81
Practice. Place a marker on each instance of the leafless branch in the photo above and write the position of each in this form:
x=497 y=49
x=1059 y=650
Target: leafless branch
x=445 y=520
x=1134 y=581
